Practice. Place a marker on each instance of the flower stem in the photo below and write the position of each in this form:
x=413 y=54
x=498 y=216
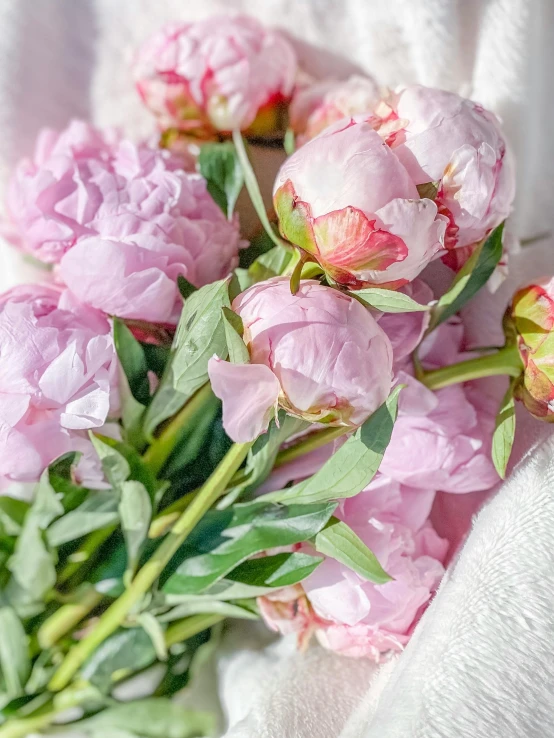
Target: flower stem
x=191 y=626
x=254 y=189
x=506 y=361
x=310 y=443
x=66 y=618
x=160 y=449
x=27 y=726
x=114 y=616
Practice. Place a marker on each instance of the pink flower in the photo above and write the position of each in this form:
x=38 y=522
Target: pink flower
x=532 y=316
x=356 y=617
x=347 y=202
x=452 y=141
x=319 y=355
x=405 y=330
x=222 y=72
x=317 y=106
x=123 y=221
x=58 y=378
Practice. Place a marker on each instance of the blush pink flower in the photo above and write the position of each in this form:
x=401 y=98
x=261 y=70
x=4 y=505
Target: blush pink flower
x=223 y=73
x=405 y=330
x=58 y=378
x=351 y=615
x=122 y=220
x=348 y=203
x=319 y=355
x=457 y=144
x=316 y=106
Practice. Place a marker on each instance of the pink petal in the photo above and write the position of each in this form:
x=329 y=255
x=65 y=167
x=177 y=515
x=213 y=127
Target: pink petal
x=249 y=392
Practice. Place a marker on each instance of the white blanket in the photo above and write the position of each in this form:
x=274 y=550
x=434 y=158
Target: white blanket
x=480 y=661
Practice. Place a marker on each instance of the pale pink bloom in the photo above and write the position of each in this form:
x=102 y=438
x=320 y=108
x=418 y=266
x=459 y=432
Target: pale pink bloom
x=354 y=616
x=346 y=201
x=220 y=72
x=319 y=355
x=456 y=143
x=123 y=220
x=58 y=378
x=288 y=611
x=316 y=106
x=405 y=330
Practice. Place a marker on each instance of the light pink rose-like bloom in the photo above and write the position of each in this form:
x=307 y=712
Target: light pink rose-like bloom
x=316 y=106
x=351 y=615
x=221 y=72
x=454 y=142
x=58 y=378
x=405 y=330
x=319 y=355
x=346 y=201
x=122 y=220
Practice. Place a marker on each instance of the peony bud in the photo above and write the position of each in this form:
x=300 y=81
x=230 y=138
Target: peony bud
x=456 y=144
x=532 y=313
x=58 y=378
x=123 y=220
x=319 y=105
x=319 y=355
x=221 y=73
x=347 y=202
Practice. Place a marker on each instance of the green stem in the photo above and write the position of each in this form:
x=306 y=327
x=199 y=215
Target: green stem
x=66 y=618
x=159 y=451
x=254 y=189
x=191 y=626
x=506 y=361
x=169 y=515
x=27 y=726
x=310 y=443
x=114 y=616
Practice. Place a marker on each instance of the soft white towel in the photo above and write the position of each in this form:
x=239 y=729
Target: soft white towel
x=480 y=661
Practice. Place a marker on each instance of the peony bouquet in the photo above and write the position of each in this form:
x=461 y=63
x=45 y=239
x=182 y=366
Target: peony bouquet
x=196 y=428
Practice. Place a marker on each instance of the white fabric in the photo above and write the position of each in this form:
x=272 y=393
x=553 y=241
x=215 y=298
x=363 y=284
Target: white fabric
x=480 y=662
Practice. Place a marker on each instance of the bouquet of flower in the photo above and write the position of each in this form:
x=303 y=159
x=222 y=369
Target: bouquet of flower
x=195 y=428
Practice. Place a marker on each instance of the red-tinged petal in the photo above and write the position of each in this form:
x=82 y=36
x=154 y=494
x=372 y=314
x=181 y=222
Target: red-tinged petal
x=347 y=239
x=295 y=218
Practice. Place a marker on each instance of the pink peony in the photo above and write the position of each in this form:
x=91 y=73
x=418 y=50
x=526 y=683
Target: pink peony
x=356 y=617
x=223 y=72
x=58 y=377
x=123 y=221
x=444 y=138
x=317 y=106
x=318 y=354
x=405 y=330
x=347 y=202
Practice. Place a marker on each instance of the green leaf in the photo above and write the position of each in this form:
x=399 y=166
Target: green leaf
x=238 y=353
x=220 y=167
x=99 y=510
x=61 y=475
x=155 y=632
x=260 y=243
x=154 y=717
x=504 y=432
x=271 y=264
x=133 y=361
x=340 y=542
x=253 y=188
x=115 y=465
x=12 y=515
x=32 y=565
x=47 y=505
x=279 y=570
x=15 y=663
x=138 y=470
x=203 y=606
x=472 y=276
x=135 y=513
x=262 y=455
x=186 y=288
x=428 y=190
x=200 y=335
x=389 y=301
x=126 y=651
x=353 y=466
x=251 y=529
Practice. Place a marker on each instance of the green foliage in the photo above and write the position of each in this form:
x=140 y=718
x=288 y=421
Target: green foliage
x=220 y=167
